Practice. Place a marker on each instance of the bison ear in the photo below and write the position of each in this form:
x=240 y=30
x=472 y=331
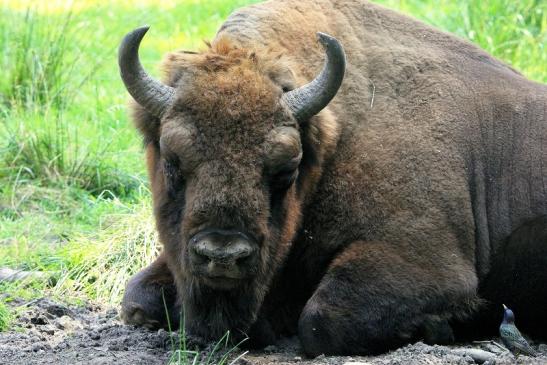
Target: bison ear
x=147 y=124
x=177 y=69
x=178 y=65
x=282 y=75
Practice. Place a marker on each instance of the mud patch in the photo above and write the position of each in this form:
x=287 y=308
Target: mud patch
x=49 y=332
x=52 y=333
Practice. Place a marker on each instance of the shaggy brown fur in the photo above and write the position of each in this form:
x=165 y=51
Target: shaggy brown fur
x=408 y=187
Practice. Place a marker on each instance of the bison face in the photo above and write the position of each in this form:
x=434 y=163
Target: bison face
x=226 y=156
x=229 y=158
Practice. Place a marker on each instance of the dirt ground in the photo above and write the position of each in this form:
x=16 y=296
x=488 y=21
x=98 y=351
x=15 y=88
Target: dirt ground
x=48 y=332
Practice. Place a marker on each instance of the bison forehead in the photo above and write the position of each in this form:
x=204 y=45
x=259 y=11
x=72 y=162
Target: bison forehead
x=226 y=114
x=229 y=101
x=240 y=98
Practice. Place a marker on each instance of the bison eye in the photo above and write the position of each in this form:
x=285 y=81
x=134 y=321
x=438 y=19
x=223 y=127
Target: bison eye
x=173 y=177
x=284 y=179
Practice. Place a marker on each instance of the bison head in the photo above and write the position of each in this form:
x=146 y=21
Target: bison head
x=233 y=147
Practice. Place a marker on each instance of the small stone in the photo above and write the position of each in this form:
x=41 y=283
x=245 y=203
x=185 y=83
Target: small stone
x=468 y=359
x=39 y=346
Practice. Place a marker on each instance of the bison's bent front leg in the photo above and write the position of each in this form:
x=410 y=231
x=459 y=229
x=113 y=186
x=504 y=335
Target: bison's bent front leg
x=149 y=296
x=373 y=298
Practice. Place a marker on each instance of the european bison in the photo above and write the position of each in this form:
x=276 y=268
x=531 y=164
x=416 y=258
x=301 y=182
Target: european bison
x=404 y=209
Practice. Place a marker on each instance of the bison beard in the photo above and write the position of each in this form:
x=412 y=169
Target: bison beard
x=360 y=226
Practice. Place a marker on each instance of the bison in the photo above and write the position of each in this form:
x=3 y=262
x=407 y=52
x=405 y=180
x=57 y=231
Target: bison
x=365 y=187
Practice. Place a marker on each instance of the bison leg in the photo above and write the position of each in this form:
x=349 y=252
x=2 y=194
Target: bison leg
x=518 y=278
x=373 y=299
x=149 y=296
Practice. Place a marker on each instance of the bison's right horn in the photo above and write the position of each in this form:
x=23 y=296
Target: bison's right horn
x=310 y=99
x=151 y=94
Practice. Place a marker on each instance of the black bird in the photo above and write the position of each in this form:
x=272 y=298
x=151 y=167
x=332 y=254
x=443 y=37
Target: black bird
x=511 y=337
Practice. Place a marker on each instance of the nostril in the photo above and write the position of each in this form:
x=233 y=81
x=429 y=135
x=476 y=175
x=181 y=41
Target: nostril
x=241 y=261
x=239 y=250
x=205 y=251
x=221 y=247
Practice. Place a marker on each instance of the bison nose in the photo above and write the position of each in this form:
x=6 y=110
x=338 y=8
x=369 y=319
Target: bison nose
x=223 y=247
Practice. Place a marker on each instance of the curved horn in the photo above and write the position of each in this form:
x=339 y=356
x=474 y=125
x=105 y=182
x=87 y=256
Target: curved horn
x=151 y=94
x=309 y=99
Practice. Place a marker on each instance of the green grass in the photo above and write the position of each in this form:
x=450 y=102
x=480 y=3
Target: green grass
x=5 y=317
x=73 y=196
x=222 y=352
x=514 y=31
x=182 y=353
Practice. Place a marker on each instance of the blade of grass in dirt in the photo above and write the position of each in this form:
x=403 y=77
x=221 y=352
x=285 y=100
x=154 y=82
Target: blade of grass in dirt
x=182 y=334
x=240 y=356
x=182 y=352
x=226 y=355
x=224 y=339
x=167 y=317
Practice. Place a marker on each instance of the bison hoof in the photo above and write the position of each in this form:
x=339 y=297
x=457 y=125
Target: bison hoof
x=315 y=336
x=437 y=331
x=134 y=314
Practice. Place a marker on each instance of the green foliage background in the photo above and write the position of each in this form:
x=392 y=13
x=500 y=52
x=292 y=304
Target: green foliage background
x=74 y=200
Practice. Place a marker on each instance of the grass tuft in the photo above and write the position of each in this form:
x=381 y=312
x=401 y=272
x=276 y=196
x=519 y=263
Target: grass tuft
x=5 y=316
x=47 y=149
x=222 y=352
x=39 y=63
x=93 y=262
x=98 y=266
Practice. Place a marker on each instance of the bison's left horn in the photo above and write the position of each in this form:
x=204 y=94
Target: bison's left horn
x=151 y=94
x=309 y=99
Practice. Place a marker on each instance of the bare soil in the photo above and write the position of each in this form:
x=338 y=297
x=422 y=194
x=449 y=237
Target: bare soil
x=48 y=332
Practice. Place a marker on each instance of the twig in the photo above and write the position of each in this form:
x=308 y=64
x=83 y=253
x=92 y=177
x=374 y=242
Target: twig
x=373 y=93
x=500 y=346
x=492 y=343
